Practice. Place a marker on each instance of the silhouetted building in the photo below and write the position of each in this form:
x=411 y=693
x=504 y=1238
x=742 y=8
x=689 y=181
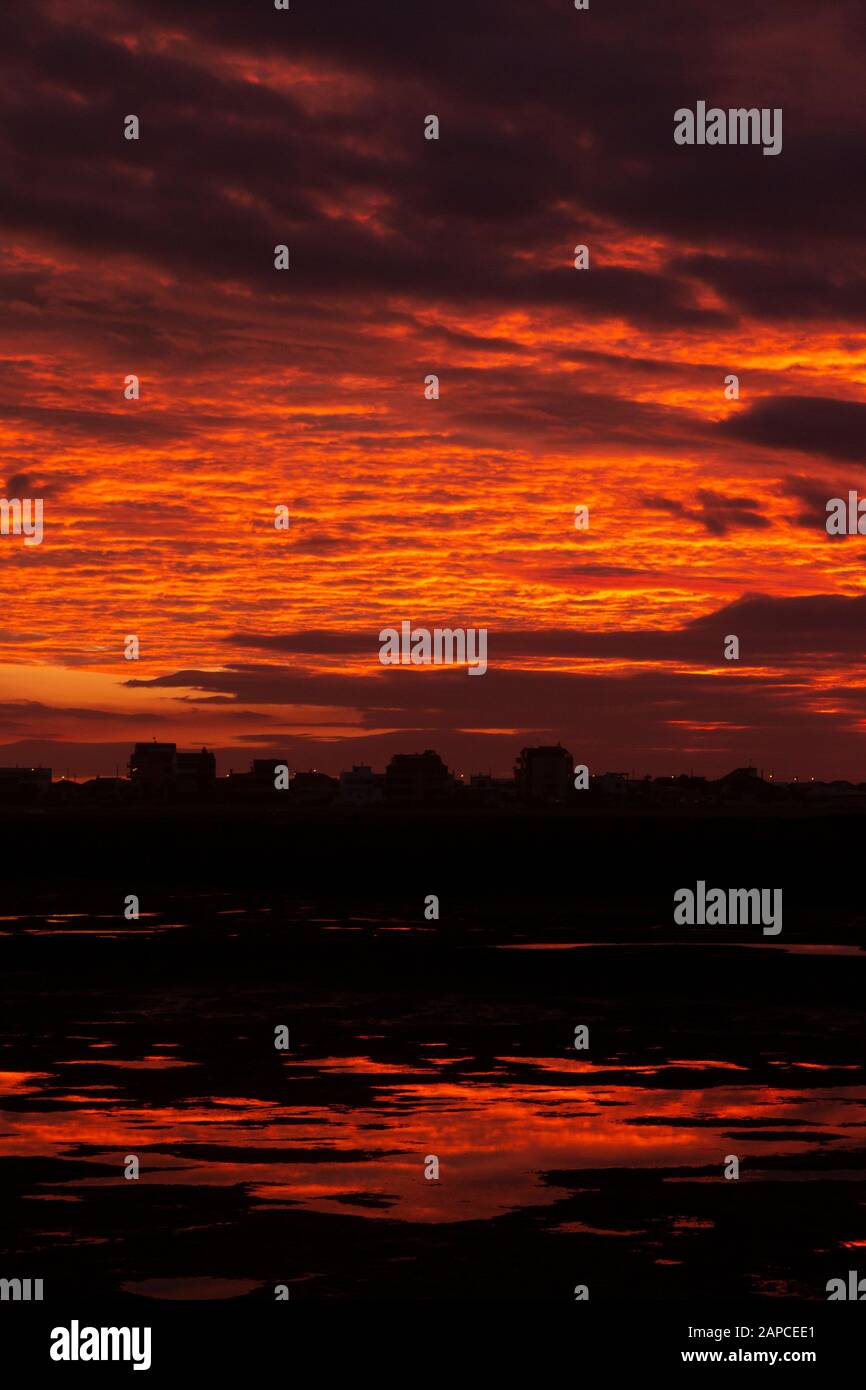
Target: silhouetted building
x=65 y=792
x=153 y=768
x=196 y=773
x=486 y=790
x=361 y=787
x=667 y=792
x=266 y=770
x=837 y=793
x=745 y=784
x=106 y=790
x=157 y=770
x=418 y=779
x=260 y=783
x=545 y=775
x=612 y=788
x=313 y=789
x=22 y=786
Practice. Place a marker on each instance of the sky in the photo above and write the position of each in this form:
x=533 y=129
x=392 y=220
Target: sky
x=305 y=388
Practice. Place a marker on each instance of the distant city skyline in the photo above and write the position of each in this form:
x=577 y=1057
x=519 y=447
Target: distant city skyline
x=249 y=759
x=78 y=764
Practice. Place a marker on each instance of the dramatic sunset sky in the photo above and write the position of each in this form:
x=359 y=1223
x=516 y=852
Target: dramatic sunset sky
x=558 y=387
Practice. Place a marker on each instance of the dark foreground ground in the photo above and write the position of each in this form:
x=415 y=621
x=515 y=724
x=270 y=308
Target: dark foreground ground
x=412 y=1038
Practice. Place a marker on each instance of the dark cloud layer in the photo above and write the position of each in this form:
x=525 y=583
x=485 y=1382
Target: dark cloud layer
x=835 y=429
x=794 y=628
x=583 y=116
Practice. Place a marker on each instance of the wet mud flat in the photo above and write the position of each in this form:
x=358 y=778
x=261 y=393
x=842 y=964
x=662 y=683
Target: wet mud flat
x=408 y=1039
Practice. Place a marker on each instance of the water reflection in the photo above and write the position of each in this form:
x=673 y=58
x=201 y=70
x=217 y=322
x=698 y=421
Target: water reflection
x=253 y=1159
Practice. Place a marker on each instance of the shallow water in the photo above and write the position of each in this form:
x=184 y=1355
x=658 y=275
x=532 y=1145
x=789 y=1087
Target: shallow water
x=603 y=1166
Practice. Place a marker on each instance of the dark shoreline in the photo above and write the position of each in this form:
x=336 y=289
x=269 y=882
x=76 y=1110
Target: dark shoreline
x=412 y=1036
x=612 y=869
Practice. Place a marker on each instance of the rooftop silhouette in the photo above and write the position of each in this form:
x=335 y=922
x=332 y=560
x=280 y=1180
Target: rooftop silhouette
x=544 y=776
